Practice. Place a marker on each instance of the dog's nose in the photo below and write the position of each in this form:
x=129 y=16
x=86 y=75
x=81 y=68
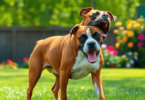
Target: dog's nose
x=105 y=16
x=91 y=44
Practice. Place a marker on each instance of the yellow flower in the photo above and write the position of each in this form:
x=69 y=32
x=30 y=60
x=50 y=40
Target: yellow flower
x=115 y=31
x=118 y=24
x=139 y=20
x=130 y=33
x=125 y=32
x=130 y=44
x=117 y=38
x=125 y=39
x=121 y=28
x=126 y=59
x=129 y=26
x=142 y=27
x=117 y=45
x=135 y=53
x=136 y=25
x=129 y=21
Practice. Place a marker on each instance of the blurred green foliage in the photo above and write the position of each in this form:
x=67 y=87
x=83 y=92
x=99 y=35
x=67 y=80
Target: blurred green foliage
x=59 y=12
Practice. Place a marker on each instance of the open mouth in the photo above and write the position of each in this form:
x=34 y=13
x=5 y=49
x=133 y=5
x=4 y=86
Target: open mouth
x=92 y=56
x=103 y=25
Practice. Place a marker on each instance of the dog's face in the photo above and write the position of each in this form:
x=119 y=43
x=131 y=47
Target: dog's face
x=101 y=19
x=88 y=40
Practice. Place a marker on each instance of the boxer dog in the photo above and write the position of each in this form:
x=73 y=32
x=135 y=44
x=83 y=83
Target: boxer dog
x=101 y=19
x=72 y=56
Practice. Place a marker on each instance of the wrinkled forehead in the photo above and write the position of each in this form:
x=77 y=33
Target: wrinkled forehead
x=97 y=11
x=88 y=30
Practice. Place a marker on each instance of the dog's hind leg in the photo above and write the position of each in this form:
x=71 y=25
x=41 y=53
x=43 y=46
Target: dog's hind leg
x=55 y=88
x=35 y=70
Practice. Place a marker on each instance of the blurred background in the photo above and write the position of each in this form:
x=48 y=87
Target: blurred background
x=23 y=22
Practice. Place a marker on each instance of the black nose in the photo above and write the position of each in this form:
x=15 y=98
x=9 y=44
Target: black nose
x=105 y=16
x=91 y=45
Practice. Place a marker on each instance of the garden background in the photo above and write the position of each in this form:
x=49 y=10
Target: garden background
x=23 y=22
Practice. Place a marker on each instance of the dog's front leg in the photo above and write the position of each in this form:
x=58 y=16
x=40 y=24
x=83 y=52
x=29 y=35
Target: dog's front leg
x=98 y=85
x=63 y=84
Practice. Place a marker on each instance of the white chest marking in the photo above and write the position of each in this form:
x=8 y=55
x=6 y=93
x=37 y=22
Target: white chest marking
x=83 y=67
x=96 y=89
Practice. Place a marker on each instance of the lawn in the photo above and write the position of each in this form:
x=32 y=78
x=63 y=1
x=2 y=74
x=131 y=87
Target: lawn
x=119 y=84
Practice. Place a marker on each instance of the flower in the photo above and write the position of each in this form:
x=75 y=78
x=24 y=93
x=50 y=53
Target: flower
x=25 y=59
x=129 y=26
x=141 y=37
x=139 y=44
x=128 y=65
x=125 y=32
x=8 y=61
x=136 y=25
x=130 y=44
x=131 y=61
x=121 y=28
x=123 y=56
x=2 y=64
x=115 y=52
x=140 y=20
x=125 y=39
x=129 y=21
x=117 y=45
x=130 y=33
x=115 y=31
x=126 y=59
x=135 y=53
x=129 y=53
x=110 y=48
x=142 y=27
x=118 y=24
x=104 y=46
x=117 y=38
x=135 y=57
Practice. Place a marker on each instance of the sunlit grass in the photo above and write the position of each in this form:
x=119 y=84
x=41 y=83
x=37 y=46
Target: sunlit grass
x=118 y=84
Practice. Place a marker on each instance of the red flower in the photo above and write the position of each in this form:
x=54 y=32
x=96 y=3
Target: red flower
x=112 y=50
x=25 y=59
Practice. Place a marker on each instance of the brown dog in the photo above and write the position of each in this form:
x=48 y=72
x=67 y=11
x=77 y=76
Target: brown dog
x=102 y=19
x=71 y=57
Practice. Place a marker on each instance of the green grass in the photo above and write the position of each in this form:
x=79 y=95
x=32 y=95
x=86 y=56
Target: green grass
x=118 y=84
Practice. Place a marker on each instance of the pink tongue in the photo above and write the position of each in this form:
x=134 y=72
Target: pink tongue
x=103 y=34
x=92 y=57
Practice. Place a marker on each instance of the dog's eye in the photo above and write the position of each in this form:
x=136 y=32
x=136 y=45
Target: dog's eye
x=96 y=36
x=94 y=15
x=82 y=38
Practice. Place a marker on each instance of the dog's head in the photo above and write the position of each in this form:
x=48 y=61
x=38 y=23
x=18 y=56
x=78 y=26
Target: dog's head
x=101 y=19
x=88 y=40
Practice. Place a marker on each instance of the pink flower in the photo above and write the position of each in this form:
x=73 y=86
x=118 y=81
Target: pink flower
x=141 y=37
x=139 y=44
x=25 y=59
x=128 y=65
x=8 y=61
x=115 y=52
x=110 y=48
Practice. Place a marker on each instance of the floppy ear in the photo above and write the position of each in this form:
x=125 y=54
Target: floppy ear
x=114 y=18
x=85 y=11
x=74 y=29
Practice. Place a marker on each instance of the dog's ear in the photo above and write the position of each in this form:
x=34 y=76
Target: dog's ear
x=85 y=11
x=114 y=18
x=74 y=29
